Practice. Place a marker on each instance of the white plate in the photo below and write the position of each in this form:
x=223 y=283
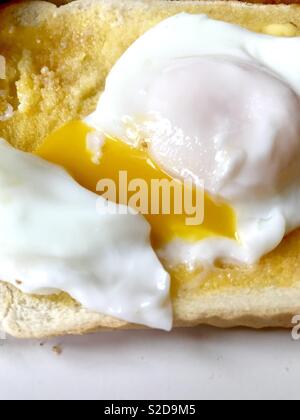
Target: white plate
x=202 y=363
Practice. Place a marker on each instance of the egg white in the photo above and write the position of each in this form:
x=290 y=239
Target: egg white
x=57 y=236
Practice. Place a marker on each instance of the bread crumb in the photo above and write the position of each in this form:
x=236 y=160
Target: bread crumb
x=45 y=70
x=94 y=143
x=57 y=350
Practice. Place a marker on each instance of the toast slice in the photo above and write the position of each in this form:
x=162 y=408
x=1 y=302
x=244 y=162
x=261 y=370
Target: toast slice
x=57 y=60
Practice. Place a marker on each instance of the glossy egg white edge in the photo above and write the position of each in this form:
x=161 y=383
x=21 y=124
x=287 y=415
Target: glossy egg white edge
x=265 y=216
x=57 y=236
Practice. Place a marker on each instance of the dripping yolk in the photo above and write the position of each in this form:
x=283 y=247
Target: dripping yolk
x=68 y=147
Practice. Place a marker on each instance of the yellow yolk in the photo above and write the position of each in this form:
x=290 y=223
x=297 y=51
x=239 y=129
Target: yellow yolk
x=67 y=147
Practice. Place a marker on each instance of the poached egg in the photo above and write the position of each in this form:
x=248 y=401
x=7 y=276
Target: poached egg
x=218 y=104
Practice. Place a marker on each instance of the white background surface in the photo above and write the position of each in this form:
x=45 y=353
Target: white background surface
x=202 y=363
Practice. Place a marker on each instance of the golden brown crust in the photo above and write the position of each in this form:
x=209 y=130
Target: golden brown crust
x=55 y=74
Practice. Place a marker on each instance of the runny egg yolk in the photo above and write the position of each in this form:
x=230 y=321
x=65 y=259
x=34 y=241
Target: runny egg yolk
x=67 y=147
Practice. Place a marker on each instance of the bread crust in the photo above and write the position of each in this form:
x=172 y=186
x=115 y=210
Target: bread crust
x=45 y=92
